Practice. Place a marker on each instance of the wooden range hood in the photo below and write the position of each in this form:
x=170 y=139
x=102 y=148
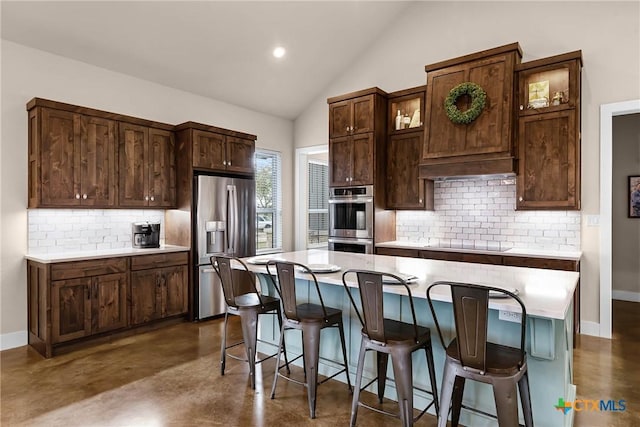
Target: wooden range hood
x=486 y=145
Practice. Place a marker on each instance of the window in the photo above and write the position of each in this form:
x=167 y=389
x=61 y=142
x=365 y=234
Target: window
x=318 y=207
x=268 y=201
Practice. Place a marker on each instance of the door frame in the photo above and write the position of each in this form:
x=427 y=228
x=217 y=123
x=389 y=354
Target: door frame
x=607 y=112
x=300 y=190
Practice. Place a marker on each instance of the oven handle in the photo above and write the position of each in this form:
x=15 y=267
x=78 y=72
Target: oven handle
x=367 y=200
x=350 y=240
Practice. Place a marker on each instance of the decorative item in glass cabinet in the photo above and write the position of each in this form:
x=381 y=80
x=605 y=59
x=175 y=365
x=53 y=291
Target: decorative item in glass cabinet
x=539 y=94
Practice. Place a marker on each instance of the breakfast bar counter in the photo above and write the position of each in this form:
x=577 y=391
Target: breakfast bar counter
x=547 y=295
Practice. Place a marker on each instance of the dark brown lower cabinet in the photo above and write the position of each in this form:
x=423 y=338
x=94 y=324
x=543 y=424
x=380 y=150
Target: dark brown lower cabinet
x=86 y=306
x=72 y=301
x=157 y=293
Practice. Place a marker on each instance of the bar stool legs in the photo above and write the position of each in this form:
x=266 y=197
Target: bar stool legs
x=311 y=358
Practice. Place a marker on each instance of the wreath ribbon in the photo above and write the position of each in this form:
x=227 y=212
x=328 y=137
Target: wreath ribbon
x=478 y=100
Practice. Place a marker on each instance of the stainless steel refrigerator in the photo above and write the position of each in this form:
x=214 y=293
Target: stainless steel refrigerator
x=226 y=224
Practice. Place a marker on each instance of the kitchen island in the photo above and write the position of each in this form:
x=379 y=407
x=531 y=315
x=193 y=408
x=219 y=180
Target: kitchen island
x=547 y=295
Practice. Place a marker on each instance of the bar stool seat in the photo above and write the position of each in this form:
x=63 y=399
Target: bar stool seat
x=389 y=338
x=309 y=318
x=470 y=356
x=248 y=306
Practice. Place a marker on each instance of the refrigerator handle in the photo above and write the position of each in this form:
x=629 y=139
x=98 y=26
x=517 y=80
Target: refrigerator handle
x=232 y=215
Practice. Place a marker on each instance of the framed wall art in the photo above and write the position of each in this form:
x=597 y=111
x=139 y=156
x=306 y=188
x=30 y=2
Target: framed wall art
x=634 y=196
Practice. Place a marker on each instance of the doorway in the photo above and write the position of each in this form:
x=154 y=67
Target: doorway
x=311 y=189
x=607 y=113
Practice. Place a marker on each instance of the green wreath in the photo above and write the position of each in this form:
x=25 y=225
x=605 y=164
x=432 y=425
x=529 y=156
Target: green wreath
x=478 y=98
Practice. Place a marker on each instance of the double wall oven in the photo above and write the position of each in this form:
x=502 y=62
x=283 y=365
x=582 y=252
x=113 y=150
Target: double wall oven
x=351 y=219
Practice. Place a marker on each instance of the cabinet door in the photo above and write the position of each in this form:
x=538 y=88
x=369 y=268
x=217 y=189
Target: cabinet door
x=362 y=160
x=146 y=296
x=134 y=170
x=208 y=150
x=340 y=119
x=443 y=138
x=162 y=168
x=60 y=158
x=363 y=114
x=70 y=309
x=174 y=291
x=98 y=162
x=549 y=162
x=109 y=302
x=405 y=190
x=340 y=161
x=240 y=155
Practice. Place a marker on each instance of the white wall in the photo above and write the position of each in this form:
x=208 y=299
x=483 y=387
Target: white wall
x=28 y=73
x=608 y=33
x=625 y=258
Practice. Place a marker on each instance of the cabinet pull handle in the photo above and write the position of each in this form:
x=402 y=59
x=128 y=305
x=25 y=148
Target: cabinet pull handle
x=229 y=163
x=521 y=107
x=224 y=163
x=146 y=198
x=84 y=197
x=152 y=198
x=347 y=128
x=78 y=196
x=521 y=199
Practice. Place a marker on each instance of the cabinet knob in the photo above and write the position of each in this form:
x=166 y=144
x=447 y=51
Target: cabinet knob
x=224 y=163
x=347 y=179
x=78 y=196
x=146 y=198
x=419 y=200
x=347 y=129
x=152 y=198
x=521 y=107
x=229 y=163
x=84 y=197
x=520 y=199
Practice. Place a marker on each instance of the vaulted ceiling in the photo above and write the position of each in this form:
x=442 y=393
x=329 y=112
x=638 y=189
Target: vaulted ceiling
x=220 y=50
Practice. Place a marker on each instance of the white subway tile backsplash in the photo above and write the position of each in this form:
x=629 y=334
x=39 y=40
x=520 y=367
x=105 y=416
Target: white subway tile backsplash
x=481 y=213
x=65 y=230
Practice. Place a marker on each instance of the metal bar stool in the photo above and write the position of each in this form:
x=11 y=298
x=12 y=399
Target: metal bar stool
x=310 y=319
x=246 y=305
x=389 y=337
x=470 y=356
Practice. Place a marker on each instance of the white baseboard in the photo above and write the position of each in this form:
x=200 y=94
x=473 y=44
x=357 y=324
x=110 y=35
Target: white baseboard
x=590 y=328
x=625 y=295
x=13 y=340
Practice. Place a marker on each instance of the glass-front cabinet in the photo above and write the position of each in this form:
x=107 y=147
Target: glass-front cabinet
x=548 y=133
x=406 y=110
x=549 y=84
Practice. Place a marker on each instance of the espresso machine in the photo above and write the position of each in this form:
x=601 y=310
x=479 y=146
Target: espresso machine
x=145 y=235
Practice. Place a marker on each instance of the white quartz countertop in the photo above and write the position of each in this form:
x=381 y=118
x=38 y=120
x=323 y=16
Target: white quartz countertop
x=545 y=293
x=522 y=252
x=105 y=253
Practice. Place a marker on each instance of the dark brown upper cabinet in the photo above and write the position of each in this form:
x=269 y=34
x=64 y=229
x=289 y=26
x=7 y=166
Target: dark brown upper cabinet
x=548 y=133
x=484 y=146
x=147 y=172
x=357 y=128
x=72 y=159
x=404 y=187
x=352 y=116
x=221 y=150
x=82 y=157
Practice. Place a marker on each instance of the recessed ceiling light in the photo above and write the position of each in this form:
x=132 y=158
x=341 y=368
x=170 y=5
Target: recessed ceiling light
x=279 y=52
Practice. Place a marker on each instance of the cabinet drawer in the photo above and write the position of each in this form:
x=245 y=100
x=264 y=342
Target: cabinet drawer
x=551 y=264
x=97 y=267
x=159 y=260
x=482 y=259
x=443 y=256
x=413 y=253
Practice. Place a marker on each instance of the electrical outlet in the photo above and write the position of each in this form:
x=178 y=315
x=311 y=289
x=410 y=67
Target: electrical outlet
x=510 y=316
x=593 y=220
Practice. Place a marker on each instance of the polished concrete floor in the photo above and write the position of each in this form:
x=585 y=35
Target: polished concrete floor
x=170 y=377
